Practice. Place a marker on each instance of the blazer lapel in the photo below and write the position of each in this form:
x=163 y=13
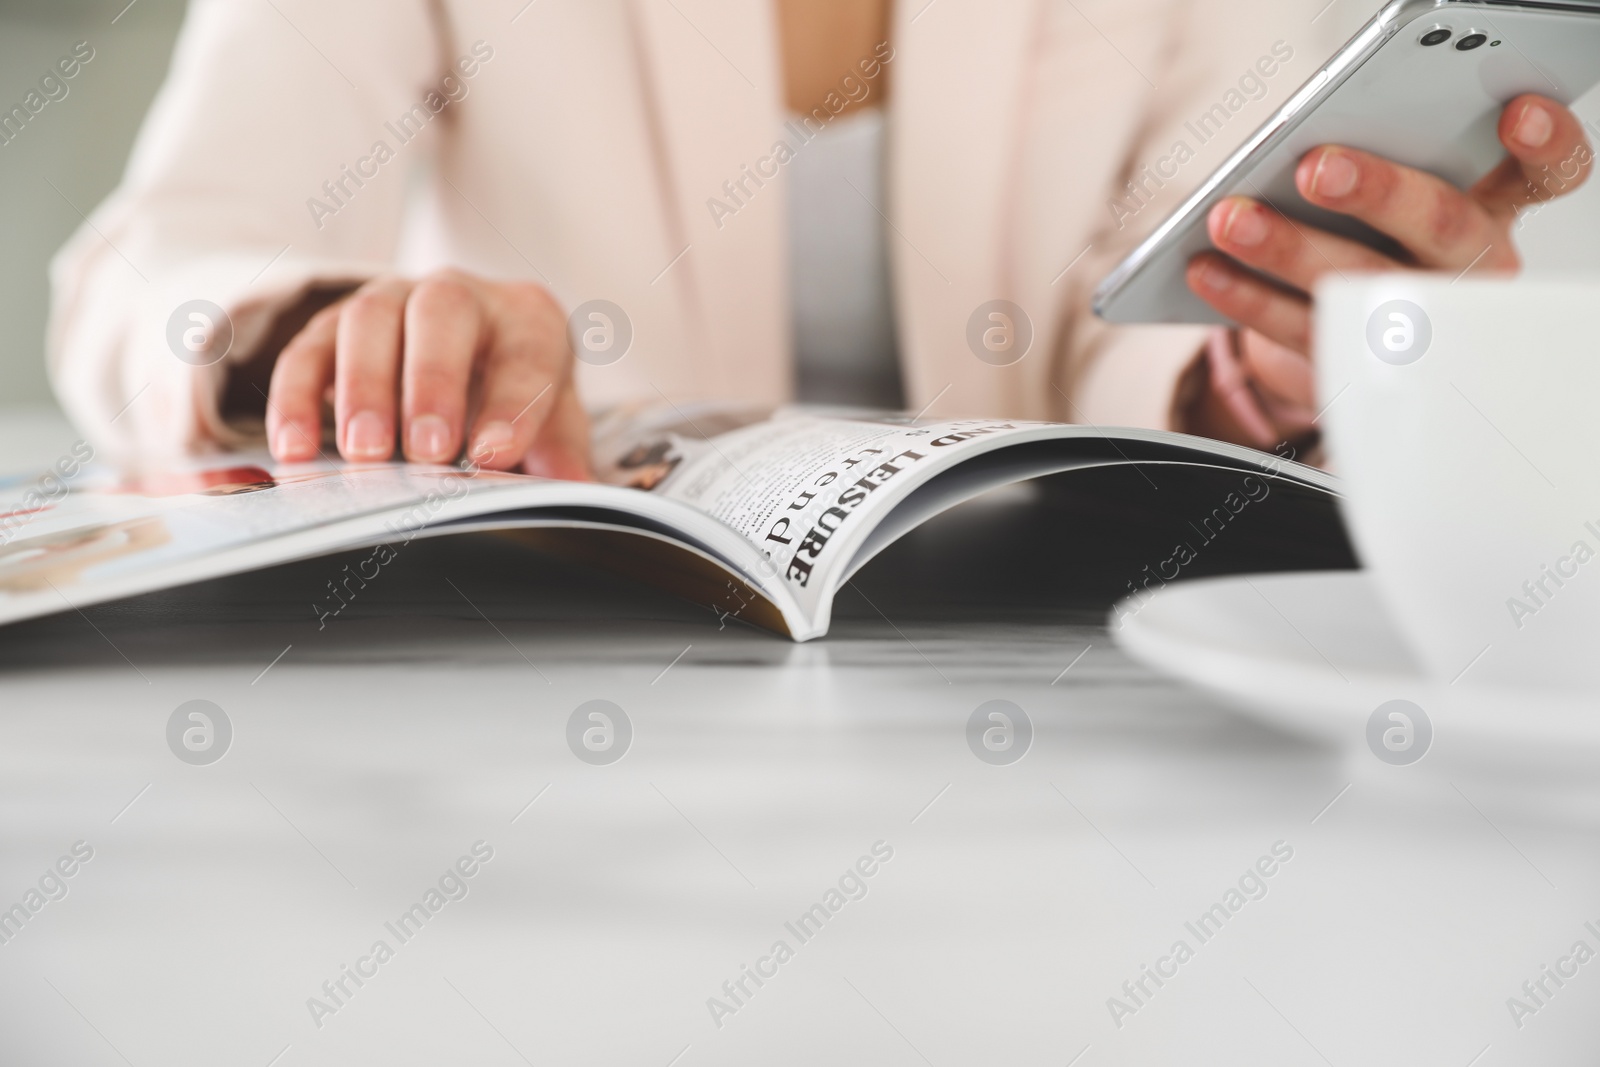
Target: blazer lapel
x=959 y=108
x=712 y=81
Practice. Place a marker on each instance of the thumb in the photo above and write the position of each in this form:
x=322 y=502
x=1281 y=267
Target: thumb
x=1549 y=156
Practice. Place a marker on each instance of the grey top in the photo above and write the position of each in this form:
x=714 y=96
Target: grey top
x=844 y=333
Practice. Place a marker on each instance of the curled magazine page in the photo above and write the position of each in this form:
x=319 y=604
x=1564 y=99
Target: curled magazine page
x=805 y=486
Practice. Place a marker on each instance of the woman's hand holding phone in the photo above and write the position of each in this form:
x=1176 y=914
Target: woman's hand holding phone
x=1260 y=388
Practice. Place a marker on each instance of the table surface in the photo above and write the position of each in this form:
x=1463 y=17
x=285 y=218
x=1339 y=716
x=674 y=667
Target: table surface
x=1006 y=907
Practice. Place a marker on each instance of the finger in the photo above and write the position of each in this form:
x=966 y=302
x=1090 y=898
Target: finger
x=1441 y=226
x=301 y=374
x=1251 y=301
x=1236 y=409
x=1284 y=379
x=1260 y=237
x=365 y=369
x=528 y=367
x=1217 y=416
x=504 y=429
x=1549 y=155
x=561 y=448
x=443 y=331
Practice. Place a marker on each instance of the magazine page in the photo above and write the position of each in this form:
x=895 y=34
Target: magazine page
x=804 y=486
x=812 y=490
x=81 y=533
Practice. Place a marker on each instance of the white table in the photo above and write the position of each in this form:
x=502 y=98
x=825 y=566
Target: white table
x=371 y=755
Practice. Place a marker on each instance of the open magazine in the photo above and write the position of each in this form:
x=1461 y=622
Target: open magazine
x=762 y=515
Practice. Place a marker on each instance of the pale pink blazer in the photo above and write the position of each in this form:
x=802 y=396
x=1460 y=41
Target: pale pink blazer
x=584 y=149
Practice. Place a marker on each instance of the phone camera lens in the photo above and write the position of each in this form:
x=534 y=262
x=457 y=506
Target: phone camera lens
x=1436 y=36
x=1471 y=41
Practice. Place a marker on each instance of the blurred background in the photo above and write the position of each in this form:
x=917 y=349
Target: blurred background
x=82 y=148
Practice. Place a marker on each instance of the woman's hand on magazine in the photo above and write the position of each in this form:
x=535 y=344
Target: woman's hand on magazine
x=1442 y=228
x=451 y=361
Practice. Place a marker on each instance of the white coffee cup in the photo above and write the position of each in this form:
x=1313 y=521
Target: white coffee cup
x=1464 y=418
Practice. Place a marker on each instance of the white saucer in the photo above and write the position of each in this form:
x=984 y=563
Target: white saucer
x=1317 y=653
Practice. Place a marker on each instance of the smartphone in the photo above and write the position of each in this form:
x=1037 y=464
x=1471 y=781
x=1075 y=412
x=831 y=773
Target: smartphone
x=1422 y=84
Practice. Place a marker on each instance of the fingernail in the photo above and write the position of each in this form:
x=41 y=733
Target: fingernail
x=1215 y=278
x=1535 y=127
x=1245 y=226
x=366 y=437
x=493 y=439
x=429 y=438
x=286 y=442
x=1336 y=176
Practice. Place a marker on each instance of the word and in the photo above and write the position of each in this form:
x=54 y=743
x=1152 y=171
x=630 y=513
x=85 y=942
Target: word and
x=1564 y=567
x=411 y=122
x=1252 y=885
x=1252 y=489
x=452 y=886
x=52 y=486
x=851 y=90
x=52 y=887
x=852 y=885
x=1537 y=990
x=1152 y=178
x=53 y=88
